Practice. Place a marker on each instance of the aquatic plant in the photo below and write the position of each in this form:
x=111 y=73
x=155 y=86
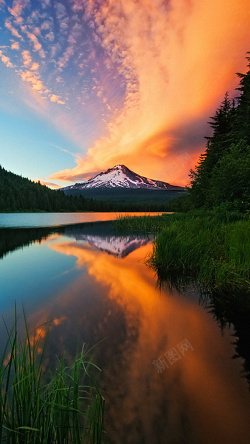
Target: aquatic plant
x=42 y=405
x=209 y=247
x=206 y=248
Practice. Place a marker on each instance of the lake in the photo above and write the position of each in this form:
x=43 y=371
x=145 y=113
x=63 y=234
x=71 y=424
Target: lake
x=25 y=220
x=168 y=373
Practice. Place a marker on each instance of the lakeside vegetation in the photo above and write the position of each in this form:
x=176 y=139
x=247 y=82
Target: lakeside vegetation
x=18 y=194
x=209 y=247
x=44 y=405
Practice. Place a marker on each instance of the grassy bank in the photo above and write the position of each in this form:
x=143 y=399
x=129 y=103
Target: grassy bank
x=41 y=405
x=141 y=224
x=210 y=247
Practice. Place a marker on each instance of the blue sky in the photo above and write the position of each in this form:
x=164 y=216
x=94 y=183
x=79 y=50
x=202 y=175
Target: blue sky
x=87 y=84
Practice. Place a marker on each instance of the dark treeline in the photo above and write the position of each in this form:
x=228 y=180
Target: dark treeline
x=221 y=177
x=19 y=194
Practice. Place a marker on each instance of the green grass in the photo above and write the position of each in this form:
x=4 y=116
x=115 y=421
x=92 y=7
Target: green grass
x=211 y=248
x=38 y=405
x=141 y=224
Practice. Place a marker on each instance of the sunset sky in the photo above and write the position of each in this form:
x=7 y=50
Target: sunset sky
x=88 y=84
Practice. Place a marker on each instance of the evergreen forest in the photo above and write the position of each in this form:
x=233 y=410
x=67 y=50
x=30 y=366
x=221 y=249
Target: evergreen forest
x=222 y=175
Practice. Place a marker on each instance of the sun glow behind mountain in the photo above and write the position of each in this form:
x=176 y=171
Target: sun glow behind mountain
x=121 y=177
x=98 y=83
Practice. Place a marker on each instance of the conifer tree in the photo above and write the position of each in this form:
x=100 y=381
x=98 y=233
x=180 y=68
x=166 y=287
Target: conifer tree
x=222 y=172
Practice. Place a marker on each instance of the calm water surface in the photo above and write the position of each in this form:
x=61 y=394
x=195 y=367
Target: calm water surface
x=168 y=373
x=15 y=220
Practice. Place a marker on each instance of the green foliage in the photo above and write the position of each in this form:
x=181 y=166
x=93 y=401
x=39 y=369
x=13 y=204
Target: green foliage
x=222 y=173
x=141 y=224
x=209 y=247
x=38 y=405
x=20 y=194
x=230 y=178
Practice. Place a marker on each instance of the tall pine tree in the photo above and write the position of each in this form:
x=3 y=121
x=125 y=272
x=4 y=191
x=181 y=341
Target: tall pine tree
x=223 y=171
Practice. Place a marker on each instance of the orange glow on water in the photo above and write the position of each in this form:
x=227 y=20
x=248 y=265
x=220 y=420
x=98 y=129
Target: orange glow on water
x=163 y=320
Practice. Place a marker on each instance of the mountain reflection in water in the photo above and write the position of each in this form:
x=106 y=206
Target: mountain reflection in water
x=109 y=295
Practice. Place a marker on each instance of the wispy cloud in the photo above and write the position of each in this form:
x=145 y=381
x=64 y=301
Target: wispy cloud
x=131 y=81
x=37 y=46
x=28 y=62
x=56 y=99
x=47 y=25
x=166 y=55
x=34 y=80
x=64 y=150
x=15 y=45
x=64 y=59
x=48 y=184
x=13 y=30
x=45 y=3
x=6 y=60
x=50 y=36
x=17 y=7
x=60 y=10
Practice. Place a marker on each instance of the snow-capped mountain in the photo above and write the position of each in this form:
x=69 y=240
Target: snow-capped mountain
x=122 y=177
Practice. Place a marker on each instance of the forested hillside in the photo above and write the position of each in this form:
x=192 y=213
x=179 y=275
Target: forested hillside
x=222 y=174
x=19 y=194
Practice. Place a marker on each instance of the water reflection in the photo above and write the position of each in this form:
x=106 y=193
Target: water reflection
x=110 y=295
x=99 y=234
x=238 y=315
x=199 y=398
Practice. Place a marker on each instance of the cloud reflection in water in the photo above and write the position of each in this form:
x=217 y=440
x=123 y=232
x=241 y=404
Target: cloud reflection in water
x=199 y=399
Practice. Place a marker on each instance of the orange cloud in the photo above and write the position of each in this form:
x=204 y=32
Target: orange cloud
x=49 y=184
x=36 y=44
x=34 y=81
x=15 y=45
x=56 y=99
x=27 y=60
x=6 y=60
x=13 y=31
x=176 y=61
x=17 y=8
x=32 y=77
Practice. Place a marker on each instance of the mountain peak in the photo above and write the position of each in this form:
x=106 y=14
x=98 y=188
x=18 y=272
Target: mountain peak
x=118 y=167
x=119 y=177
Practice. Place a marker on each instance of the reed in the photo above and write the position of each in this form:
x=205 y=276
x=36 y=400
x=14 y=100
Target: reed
x=141 y=224
x=38 y=405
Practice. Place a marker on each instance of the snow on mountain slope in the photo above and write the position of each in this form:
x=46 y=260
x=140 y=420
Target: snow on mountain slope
x=122 y=177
